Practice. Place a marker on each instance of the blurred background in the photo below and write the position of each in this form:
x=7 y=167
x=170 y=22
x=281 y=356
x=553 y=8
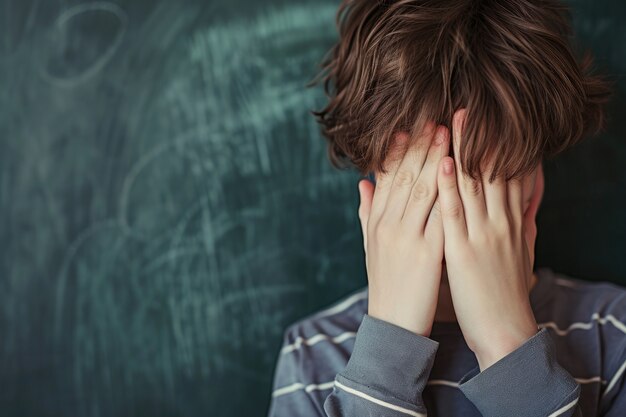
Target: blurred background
x=167 y=207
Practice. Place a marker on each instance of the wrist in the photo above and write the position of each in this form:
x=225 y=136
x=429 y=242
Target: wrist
x=502 y=346
x=404 y=319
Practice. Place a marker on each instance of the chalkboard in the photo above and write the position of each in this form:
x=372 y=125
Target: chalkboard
x=167 y=206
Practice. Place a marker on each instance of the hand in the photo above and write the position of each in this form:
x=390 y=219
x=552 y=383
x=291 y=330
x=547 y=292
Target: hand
x=488 y=261
x=403 y=238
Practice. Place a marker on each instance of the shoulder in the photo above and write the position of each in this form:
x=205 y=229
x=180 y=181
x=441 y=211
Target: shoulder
x=321 y=343
x=588 y=322
x=599 y=300
x=315 y=348
x=335 y=322
x=582 y=308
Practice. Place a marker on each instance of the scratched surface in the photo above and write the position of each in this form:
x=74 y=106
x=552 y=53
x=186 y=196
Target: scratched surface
x=167 y=207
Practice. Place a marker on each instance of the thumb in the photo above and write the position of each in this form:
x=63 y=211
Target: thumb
x=366 y=192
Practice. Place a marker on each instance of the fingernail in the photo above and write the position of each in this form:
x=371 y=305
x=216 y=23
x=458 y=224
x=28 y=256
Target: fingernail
x=447 y=166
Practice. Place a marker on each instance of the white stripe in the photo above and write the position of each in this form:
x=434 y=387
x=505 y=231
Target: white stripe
x=379 y=402
x=615 y=378
x=585 y=326
x=443 y=382
x=315 y=339
x=312 y=387
x=286 y=390
x=589 y=380
x=613 y=321
x=456 y=384
x=297 y=386
x=564 y=408
x=345 y=304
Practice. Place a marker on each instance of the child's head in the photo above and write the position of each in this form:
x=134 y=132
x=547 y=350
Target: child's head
x=398 y=64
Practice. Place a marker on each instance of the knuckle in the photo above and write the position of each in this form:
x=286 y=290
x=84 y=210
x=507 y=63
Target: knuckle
x=454 y=211
x=436 y=209
x=413 y=154
x=383 y=182
x=404 y=177
x=421 y=146
x=420 y=192
x=382 y=231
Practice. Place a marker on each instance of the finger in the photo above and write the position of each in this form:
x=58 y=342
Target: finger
x=452 y=212
x=424 y=190
x=495 y=196
x=384 y=180
x=408 y=172
x=471 y=191
x=366 y=193
x=433 y=230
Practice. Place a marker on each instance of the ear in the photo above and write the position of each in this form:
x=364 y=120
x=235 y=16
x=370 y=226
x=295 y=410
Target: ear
x=537 y=195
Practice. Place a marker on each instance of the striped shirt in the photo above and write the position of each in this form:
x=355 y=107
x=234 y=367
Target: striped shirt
x=342 y=362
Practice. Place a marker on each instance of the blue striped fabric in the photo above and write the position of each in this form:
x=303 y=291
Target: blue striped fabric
x=342 y=362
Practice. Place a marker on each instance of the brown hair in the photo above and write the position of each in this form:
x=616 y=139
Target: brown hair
x=398 y=64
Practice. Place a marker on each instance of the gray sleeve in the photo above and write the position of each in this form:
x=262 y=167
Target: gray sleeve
x=528 y=381
x=385 y=375
x=290 y=396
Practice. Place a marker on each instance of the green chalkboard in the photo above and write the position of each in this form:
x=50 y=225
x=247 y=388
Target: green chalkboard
x=167 y=206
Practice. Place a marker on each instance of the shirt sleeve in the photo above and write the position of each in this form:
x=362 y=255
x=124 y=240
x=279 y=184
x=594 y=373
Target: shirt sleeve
x=385 y=375
x=528 y=381
x=290 y=391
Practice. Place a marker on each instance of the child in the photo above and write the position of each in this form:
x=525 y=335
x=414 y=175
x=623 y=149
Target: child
x=453 y=104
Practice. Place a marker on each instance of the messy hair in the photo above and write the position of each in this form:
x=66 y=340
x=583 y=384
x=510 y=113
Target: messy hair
x=399 y=64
